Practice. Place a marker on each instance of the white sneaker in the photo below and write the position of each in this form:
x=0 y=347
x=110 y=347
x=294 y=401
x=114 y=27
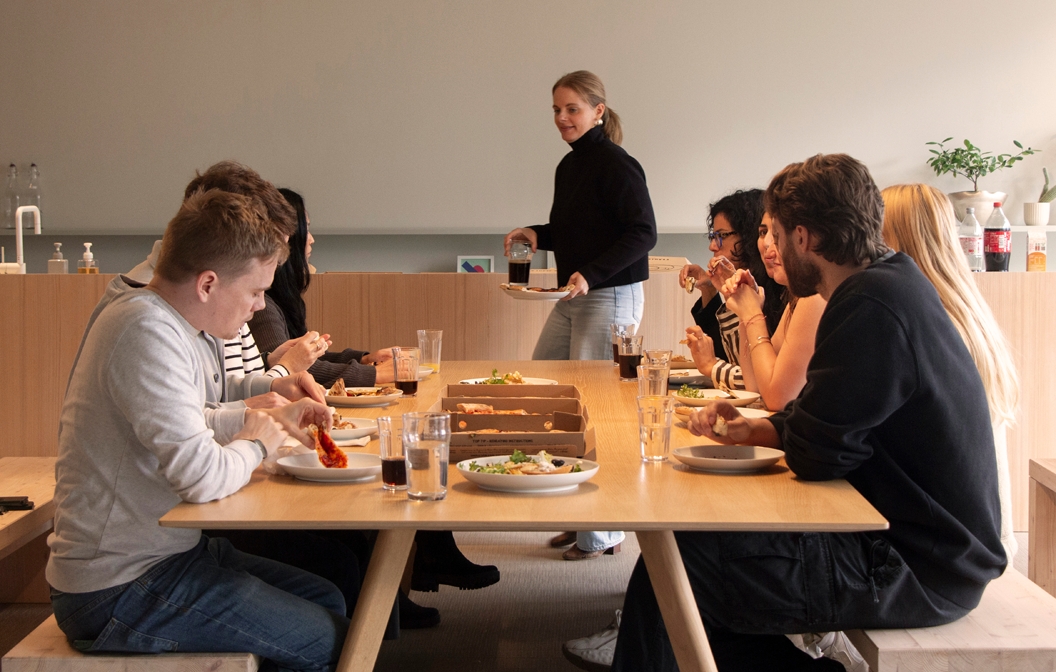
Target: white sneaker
x=594 y=653
x=833 y=645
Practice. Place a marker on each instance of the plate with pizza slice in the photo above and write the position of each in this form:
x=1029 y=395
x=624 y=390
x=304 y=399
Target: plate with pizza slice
x=361 y=397
x=536 y=293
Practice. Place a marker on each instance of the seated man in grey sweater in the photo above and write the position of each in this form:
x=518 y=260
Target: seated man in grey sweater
x=135 y=440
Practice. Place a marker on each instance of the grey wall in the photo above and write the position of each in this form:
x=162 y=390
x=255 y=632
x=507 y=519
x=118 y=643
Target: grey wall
x=426 y=116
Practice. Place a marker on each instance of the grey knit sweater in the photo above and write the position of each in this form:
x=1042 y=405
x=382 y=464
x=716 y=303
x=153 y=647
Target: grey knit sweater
x=135 y=439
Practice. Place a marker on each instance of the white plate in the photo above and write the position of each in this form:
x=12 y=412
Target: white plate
x=363 y=427
x=727 y=458
x=424 y=372
x=688 y=364
x=531 y=484
x=687 y=377
x=743 y=397
x=527 y=381
x=362 y=402
x=361 y=467
x=527 y=295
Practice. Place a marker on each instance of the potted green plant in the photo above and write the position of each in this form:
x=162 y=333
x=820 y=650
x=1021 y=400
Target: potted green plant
x=973 y=163
x=1037 y=214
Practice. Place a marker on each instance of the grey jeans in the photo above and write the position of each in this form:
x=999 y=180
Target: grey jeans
x=579 y=329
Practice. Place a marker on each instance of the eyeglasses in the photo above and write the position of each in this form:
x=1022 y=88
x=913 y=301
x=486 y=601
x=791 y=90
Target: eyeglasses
x=721 y=235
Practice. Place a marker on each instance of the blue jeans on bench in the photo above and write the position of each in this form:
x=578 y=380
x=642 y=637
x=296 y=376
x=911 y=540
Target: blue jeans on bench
x=754 y=588
x=213 y=598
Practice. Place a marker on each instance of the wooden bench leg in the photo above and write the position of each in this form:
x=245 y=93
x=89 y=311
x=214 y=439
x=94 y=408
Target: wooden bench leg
x=675 y=597
x=376 y=598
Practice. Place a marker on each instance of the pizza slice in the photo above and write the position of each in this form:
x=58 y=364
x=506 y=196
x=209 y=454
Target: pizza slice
x=330 y=455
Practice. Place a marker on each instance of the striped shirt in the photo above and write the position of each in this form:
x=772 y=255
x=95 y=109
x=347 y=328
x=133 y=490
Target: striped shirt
x=727 y=375
x=241 y=356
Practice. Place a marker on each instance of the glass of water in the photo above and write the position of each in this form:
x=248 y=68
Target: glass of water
x=426 y=445
x=652 y=380
x=654 y=426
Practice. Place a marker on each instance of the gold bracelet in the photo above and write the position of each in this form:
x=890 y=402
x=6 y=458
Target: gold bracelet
x=759 y=340
x=753 y=320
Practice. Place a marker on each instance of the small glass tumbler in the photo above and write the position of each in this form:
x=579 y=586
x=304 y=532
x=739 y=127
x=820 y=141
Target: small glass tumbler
x=393 y=464
x=657 y=357
x=520 y=261
x=427 y=445
x=652 y=380
x=618 y=330
x=405 y=361
x=654 y=427
x=429 y=342
x=630 y=357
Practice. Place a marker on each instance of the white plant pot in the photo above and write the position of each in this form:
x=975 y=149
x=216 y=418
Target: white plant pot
x=982 y=201
x=1036 y=214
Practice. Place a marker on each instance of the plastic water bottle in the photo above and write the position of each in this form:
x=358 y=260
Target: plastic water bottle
x=997 y=241
x=970 y=235
x=11 y=197
x=32 y=194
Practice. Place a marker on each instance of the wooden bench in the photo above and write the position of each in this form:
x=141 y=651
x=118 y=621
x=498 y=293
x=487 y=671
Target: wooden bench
x=46 y=650
x=1012 y=629
x=1041 y=558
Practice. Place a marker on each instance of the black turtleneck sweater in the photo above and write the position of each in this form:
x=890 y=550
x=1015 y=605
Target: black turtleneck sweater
x=601 y=223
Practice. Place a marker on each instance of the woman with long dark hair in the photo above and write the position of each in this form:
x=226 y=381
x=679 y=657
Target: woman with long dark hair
x=284 y=315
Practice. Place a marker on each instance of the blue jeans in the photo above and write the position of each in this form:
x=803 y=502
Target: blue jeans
x=579 y=329
x=753 y=588
x=213 y=598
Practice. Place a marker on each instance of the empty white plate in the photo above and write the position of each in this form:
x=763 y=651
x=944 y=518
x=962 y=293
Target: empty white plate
x=729 y=459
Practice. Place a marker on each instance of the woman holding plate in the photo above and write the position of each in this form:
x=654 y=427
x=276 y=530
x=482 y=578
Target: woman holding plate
x=601 y=226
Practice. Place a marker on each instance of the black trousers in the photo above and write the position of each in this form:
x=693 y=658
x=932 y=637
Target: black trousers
x=754 y=588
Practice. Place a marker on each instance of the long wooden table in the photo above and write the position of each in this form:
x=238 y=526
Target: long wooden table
x=33 y=477
x=651 y=499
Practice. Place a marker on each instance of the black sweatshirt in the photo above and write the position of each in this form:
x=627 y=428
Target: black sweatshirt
x=894 y=404
x=601 y=223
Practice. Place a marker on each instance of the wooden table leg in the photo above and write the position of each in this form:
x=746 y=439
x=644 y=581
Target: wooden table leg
x=376 y=598
x=675 y=597
x=1041 y=556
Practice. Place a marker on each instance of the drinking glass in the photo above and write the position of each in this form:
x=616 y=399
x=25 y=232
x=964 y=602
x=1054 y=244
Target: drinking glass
x=393 y=464
x=630 y=357
x=427 y=445
x=520 y=263
x=657 y=357
x=652 y=379
x=429 y=342
x=617 y=330
x=654 y=426
x=405 y=361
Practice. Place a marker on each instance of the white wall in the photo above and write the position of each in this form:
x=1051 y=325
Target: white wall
x=433 y=116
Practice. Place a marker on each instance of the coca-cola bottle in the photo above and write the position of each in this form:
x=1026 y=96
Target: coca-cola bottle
x=997 y=241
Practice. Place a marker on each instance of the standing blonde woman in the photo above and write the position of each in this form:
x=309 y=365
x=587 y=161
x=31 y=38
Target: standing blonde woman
x=919 y=221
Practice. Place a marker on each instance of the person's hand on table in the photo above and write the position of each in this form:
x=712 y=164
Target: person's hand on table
x=702 y=423
x=268 y=400
x=528 y=235
x=298 y=386
x=377 y=357
x=297 y=354
x=579 y=286
x=702 y=348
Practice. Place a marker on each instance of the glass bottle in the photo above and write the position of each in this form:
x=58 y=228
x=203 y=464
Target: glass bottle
x=970 y=235
x=997 y=241
x=11 y=197
x=32 y=194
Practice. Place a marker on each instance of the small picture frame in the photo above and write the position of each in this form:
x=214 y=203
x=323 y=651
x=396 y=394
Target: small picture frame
x=474 y=263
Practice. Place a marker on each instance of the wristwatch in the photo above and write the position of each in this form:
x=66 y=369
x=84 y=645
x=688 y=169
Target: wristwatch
x=263 y=448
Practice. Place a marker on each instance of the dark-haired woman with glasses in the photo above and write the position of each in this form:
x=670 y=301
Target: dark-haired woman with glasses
x=733 y=225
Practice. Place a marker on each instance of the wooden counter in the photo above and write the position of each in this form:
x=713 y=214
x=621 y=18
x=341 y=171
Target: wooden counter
x=45 y=315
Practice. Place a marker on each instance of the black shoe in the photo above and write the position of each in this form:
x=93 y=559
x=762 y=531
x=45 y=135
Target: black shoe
x=415 y=616
x=439 y=561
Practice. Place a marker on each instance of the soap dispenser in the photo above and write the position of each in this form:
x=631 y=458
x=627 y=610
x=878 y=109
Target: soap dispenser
x=57 y=264
x=87 y=264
